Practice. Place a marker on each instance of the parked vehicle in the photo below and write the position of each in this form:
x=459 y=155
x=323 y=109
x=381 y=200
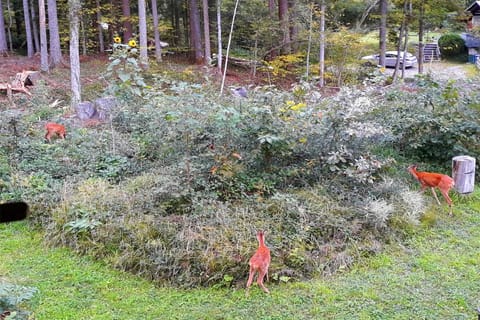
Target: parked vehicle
x=391 y=59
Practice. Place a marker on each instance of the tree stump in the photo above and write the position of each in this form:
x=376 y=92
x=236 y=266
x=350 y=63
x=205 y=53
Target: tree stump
x=463 y=173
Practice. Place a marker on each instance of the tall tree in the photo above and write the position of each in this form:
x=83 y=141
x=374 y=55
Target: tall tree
x=28 y=28
x=74 y=7
x=403 y=29
x=369 y=6
x=292 y=27
x=3 y=36
x=383 y=31
x=101 y=45
x=43 y=36
x=9 y=28
x=55 y=50
x=321 y=58
x=156 y=32
x=284 y=24
x=142 y=26
x=127 y=24
x=421 y=27
x=219 y=36
x=36 y=37
x=228 y=46
x=271 y=7
x=195 y=34
x=206 y=32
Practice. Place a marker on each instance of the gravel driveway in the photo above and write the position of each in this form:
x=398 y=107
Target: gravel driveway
x=439 y=71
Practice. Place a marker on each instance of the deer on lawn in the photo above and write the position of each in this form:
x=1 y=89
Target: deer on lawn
x=259 y=262
x=434 y=180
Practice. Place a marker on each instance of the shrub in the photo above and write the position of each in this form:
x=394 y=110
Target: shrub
x=451 y=45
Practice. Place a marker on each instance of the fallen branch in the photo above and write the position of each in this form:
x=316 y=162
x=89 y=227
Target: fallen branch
x=8 y=87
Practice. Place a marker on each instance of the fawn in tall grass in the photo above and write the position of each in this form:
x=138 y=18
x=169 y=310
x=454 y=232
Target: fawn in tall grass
x=259 y=263
x=434 y=180
x=55 y=129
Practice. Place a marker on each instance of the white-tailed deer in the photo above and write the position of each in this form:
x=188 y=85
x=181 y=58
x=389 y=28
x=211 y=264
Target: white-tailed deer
x=55 y=129
x=434 y=180
x=259 y=263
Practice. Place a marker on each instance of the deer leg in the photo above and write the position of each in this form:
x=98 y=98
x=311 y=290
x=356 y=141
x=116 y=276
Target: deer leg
x=261 y=275
x=447 y=198
x=250 y=277
x=435 y=194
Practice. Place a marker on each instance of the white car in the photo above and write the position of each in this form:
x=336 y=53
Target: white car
x=391 y=59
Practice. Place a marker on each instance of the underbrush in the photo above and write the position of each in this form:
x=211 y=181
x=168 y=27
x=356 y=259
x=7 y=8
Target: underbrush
x=173 y=186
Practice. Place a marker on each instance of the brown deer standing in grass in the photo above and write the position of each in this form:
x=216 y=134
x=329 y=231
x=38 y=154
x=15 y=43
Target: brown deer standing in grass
x=55 y=129
x=259 y=263
x=434 y=180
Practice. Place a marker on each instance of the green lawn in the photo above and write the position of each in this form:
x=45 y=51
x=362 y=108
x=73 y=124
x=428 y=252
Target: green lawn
x=436 y=275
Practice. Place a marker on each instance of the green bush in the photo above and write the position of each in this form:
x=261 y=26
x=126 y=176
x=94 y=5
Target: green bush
x=451 y=45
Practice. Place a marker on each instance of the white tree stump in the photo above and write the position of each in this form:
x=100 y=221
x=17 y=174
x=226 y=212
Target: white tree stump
x=463 y=173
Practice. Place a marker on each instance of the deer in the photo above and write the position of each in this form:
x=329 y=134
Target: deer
x=259 y=263
x=55 y=129
x=434 y=180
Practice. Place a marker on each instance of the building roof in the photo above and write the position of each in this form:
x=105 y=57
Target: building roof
x=474 y=8
x=470 y=41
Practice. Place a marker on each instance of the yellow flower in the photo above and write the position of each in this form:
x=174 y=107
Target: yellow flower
x=117 y=39
x=290 y=103
x=132 y=43
x=298 y=106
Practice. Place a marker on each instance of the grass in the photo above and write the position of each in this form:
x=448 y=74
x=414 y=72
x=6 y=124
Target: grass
x=433 y=276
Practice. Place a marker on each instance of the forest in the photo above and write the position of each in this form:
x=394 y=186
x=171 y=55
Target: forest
x=158 y=137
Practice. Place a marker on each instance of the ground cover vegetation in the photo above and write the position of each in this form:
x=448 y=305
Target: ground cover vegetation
x=432 y=275
x=173 y=186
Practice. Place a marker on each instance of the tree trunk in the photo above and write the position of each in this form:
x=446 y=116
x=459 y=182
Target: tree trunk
x=84 y=36
x=74 y=15
x=3 y=36
x=9 y=28
x=271 y=7
x=370 y=6
x=463 y=173
x=127 y=25
x=219 y=36
x=421 y=29
x=28 y=28
x=321 y=58
x=309 y=44
x=17 y=9
x=177 y=25
x=292 y=28
x=142 y=21
x=36 y=36
x=156 y=32
x=228 y=46
x=284 y=25
x=383 y=31
x=206 y=33
x=43 y=37
x=101 y=45
x=195 y=34
x=400 y=39
x=55 y=50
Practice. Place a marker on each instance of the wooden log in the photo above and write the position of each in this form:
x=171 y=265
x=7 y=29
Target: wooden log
x=463 y=173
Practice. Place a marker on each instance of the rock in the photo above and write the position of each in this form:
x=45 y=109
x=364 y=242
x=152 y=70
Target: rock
x=86 y=110
x=104 y=106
